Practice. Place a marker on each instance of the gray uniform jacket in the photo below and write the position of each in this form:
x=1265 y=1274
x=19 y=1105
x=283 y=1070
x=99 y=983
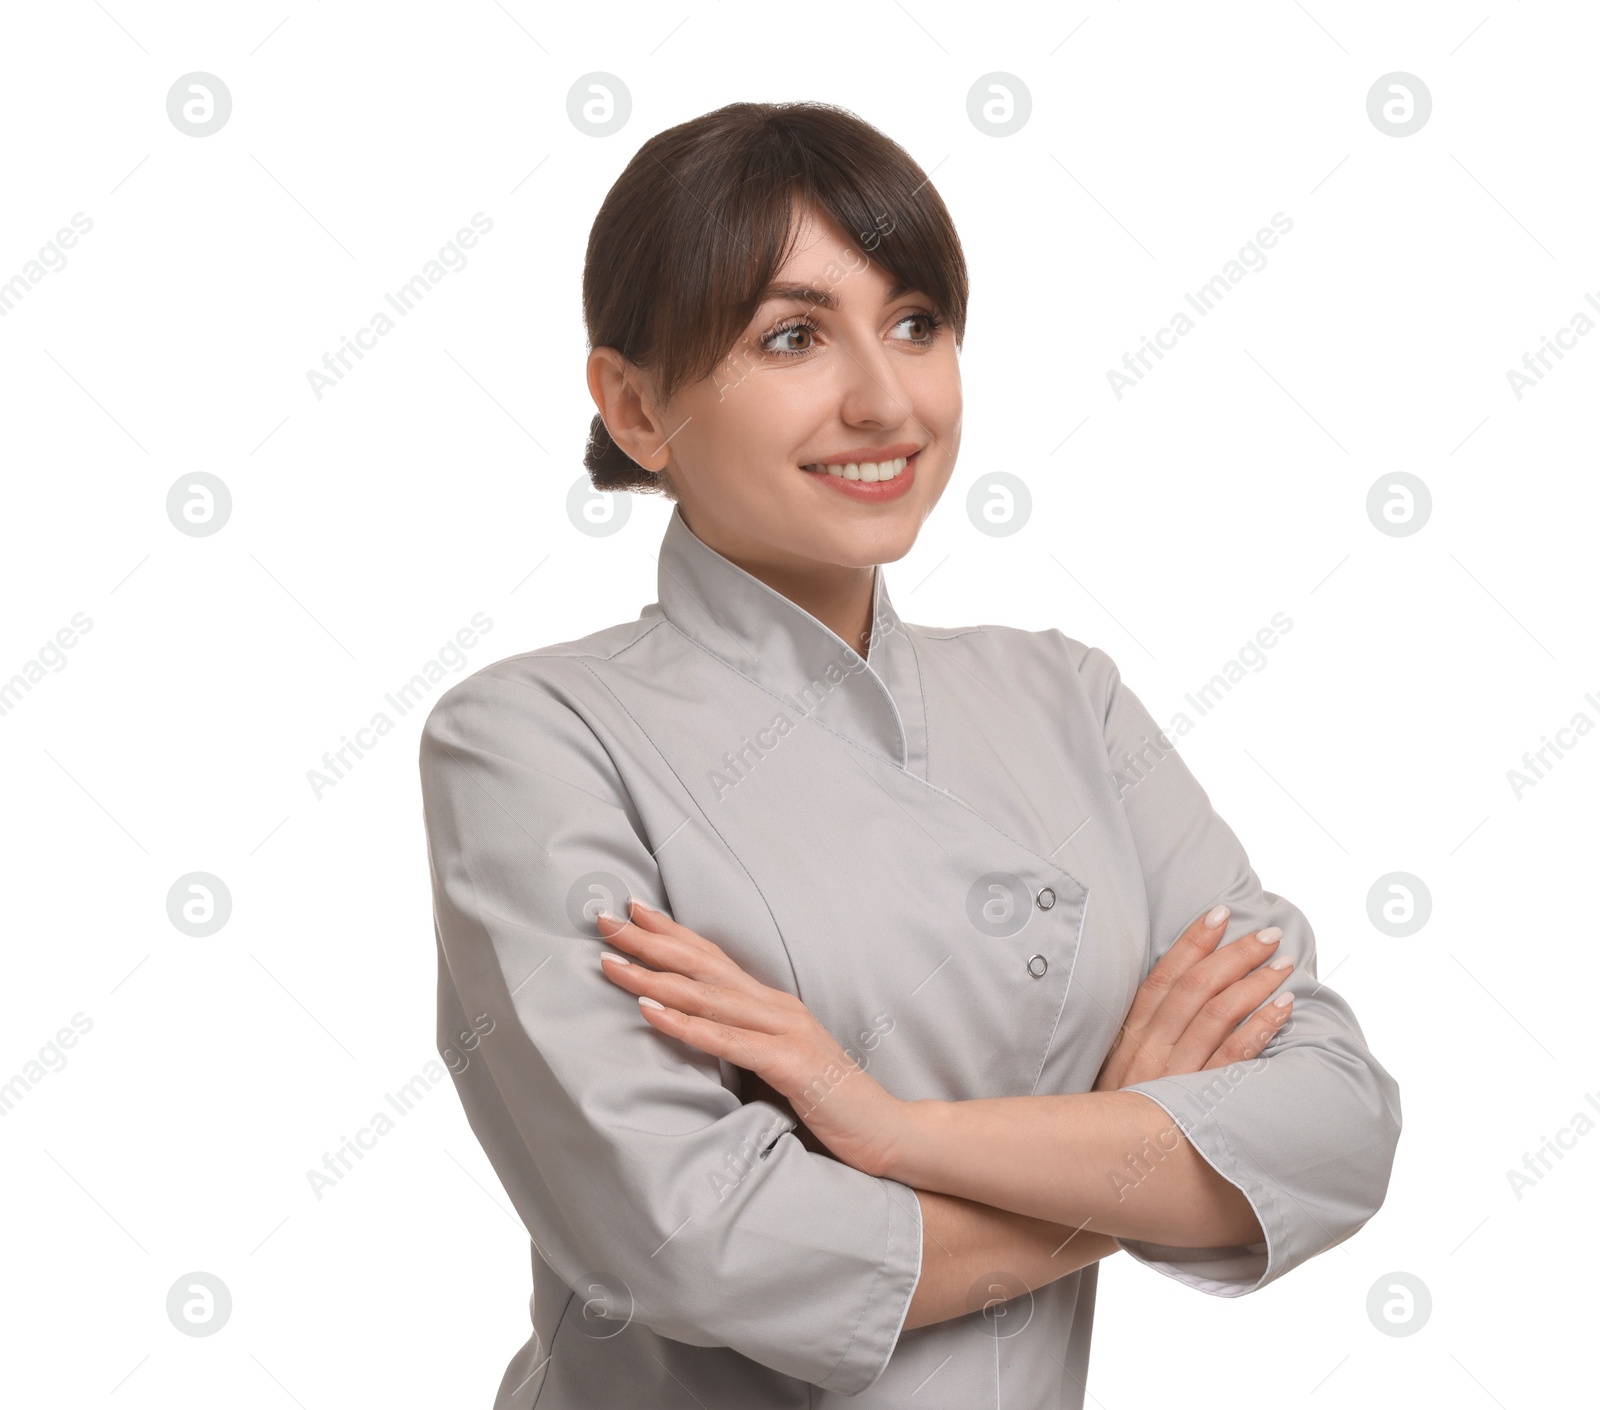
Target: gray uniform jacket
x=963 y=853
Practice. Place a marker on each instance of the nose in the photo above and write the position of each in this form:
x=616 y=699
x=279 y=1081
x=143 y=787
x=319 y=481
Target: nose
x=871 y=390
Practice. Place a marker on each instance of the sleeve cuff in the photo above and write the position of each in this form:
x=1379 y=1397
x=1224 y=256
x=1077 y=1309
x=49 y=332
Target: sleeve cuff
x=1222 y=1272
x=877 y=1330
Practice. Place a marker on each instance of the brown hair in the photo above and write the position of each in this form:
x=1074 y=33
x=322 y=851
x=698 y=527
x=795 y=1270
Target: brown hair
x=703 y=217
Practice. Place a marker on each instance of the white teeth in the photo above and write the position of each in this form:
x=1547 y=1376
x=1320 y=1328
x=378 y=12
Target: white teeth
x=869 y=471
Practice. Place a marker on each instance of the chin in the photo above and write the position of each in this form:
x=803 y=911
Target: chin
x=863 y=544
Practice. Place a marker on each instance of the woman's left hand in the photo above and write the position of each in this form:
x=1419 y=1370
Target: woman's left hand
x=711 y=1004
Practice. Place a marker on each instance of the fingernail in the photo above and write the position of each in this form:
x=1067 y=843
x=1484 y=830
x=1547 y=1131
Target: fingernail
x=1282 y=962
x=620 y=959
x=1216 y=917
x=650 y=1003
x=1271 y=935
x=644 y=907
x=1284 y=999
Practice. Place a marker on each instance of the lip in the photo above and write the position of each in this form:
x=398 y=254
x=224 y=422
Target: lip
x=869 y=492
x=873 y=455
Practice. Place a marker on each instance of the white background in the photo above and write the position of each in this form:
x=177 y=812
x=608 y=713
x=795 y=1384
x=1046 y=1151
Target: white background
x=369 y=526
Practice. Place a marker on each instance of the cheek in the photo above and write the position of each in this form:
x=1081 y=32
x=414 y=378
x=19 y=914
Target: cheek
x=936 y=395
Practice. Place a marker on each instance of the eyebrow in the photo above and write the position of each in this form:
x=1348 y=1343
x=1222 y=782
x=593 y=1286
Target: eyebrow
x=821 y=298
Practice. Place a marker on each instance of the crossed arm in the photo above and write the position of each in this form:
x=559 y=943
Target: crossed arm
x=1036 y=1187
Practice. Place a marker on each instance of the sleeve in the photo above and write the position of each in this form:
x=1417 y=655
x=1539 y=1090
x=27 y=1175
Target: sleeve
x=624 y=1151
x=1307 y=1130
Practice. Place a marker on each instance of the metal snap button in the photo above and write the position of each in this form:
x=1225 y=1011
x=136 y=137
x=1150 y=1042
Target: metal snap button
x=1047 y=898
x=1044 y=964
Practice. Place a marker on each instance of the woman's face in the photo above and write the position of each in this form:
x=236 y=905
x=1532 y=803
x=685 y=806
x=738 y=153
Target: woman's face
x=836 y=366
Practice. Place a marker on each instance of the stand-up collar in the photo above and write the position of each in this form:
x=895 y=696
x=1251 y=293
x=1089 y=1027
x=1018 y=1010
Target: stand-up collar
x=876 y=702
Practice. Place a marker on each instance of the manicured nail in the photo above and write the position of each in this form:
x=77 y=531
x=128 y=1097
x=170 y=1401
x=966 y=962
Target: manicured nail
x=1271 y=935
x=644 y=907
x=1284 y=999
x=1282 y=962
x=1216 y=917
x=620 y=959
x=650 y=1003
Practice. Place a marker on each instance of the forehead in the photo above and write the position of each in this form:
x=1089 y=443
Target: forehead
x=828 y=266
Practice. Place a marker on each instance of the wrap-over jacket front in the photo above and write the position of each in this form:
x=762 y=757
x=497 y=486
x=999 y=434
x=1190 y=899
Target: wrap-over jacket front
x=963 y=853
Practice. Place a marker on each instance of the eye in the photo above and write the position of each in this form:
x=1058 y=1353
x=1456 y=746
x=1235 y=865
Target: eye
x=803 y=324
x=807 y=326
x=931 y=322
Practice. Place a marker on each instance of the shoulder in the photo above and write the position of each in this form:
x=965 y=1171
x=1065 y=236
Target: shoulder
x=544 y=698
x=1017 y=657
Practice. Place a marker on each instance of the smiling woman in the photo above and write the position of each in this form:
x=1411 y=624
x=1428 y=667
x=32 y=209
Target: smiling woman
x=685 y=867
x=753 y=362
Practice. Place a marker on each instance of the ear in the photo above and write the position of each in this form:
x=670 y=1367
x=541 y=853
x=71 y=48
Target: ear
x=619 y=390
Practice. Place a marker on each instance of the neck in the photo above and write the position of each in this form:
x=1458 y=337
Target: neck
x=837 y=596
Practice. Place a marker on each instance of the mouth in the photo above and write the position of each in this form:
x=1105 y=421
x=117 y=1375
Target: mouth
x=871 y=480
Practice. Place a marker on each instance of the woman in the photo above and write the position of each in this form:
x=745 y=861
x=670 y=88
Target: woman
x=964 y=859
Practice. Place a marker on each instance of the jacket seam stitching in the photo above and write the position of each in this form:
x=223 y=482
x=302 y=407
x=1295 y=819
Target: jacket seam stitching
x=538 y=1395
x=697 y=806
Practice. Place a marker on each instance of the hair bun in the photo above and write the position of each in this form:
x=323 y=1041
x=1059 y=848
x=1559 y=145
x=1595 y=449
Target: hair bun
x=612 y=468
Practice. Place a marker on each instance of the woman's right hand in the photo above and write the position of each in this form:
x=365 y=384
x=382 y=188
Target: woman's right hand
x=1186 y=1016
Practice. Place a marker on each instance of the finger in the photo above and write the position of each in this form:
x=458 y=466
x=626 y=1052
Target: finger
x=661 y=942
x=1250 y=1039
x=1202 y=982
x=747 y=1050
x=1198 y=940
x=1221 y=1015
x=741 y=1008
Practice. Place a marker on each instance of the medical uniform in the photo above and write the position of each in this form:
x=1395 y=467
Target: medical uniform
x=963 y=853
